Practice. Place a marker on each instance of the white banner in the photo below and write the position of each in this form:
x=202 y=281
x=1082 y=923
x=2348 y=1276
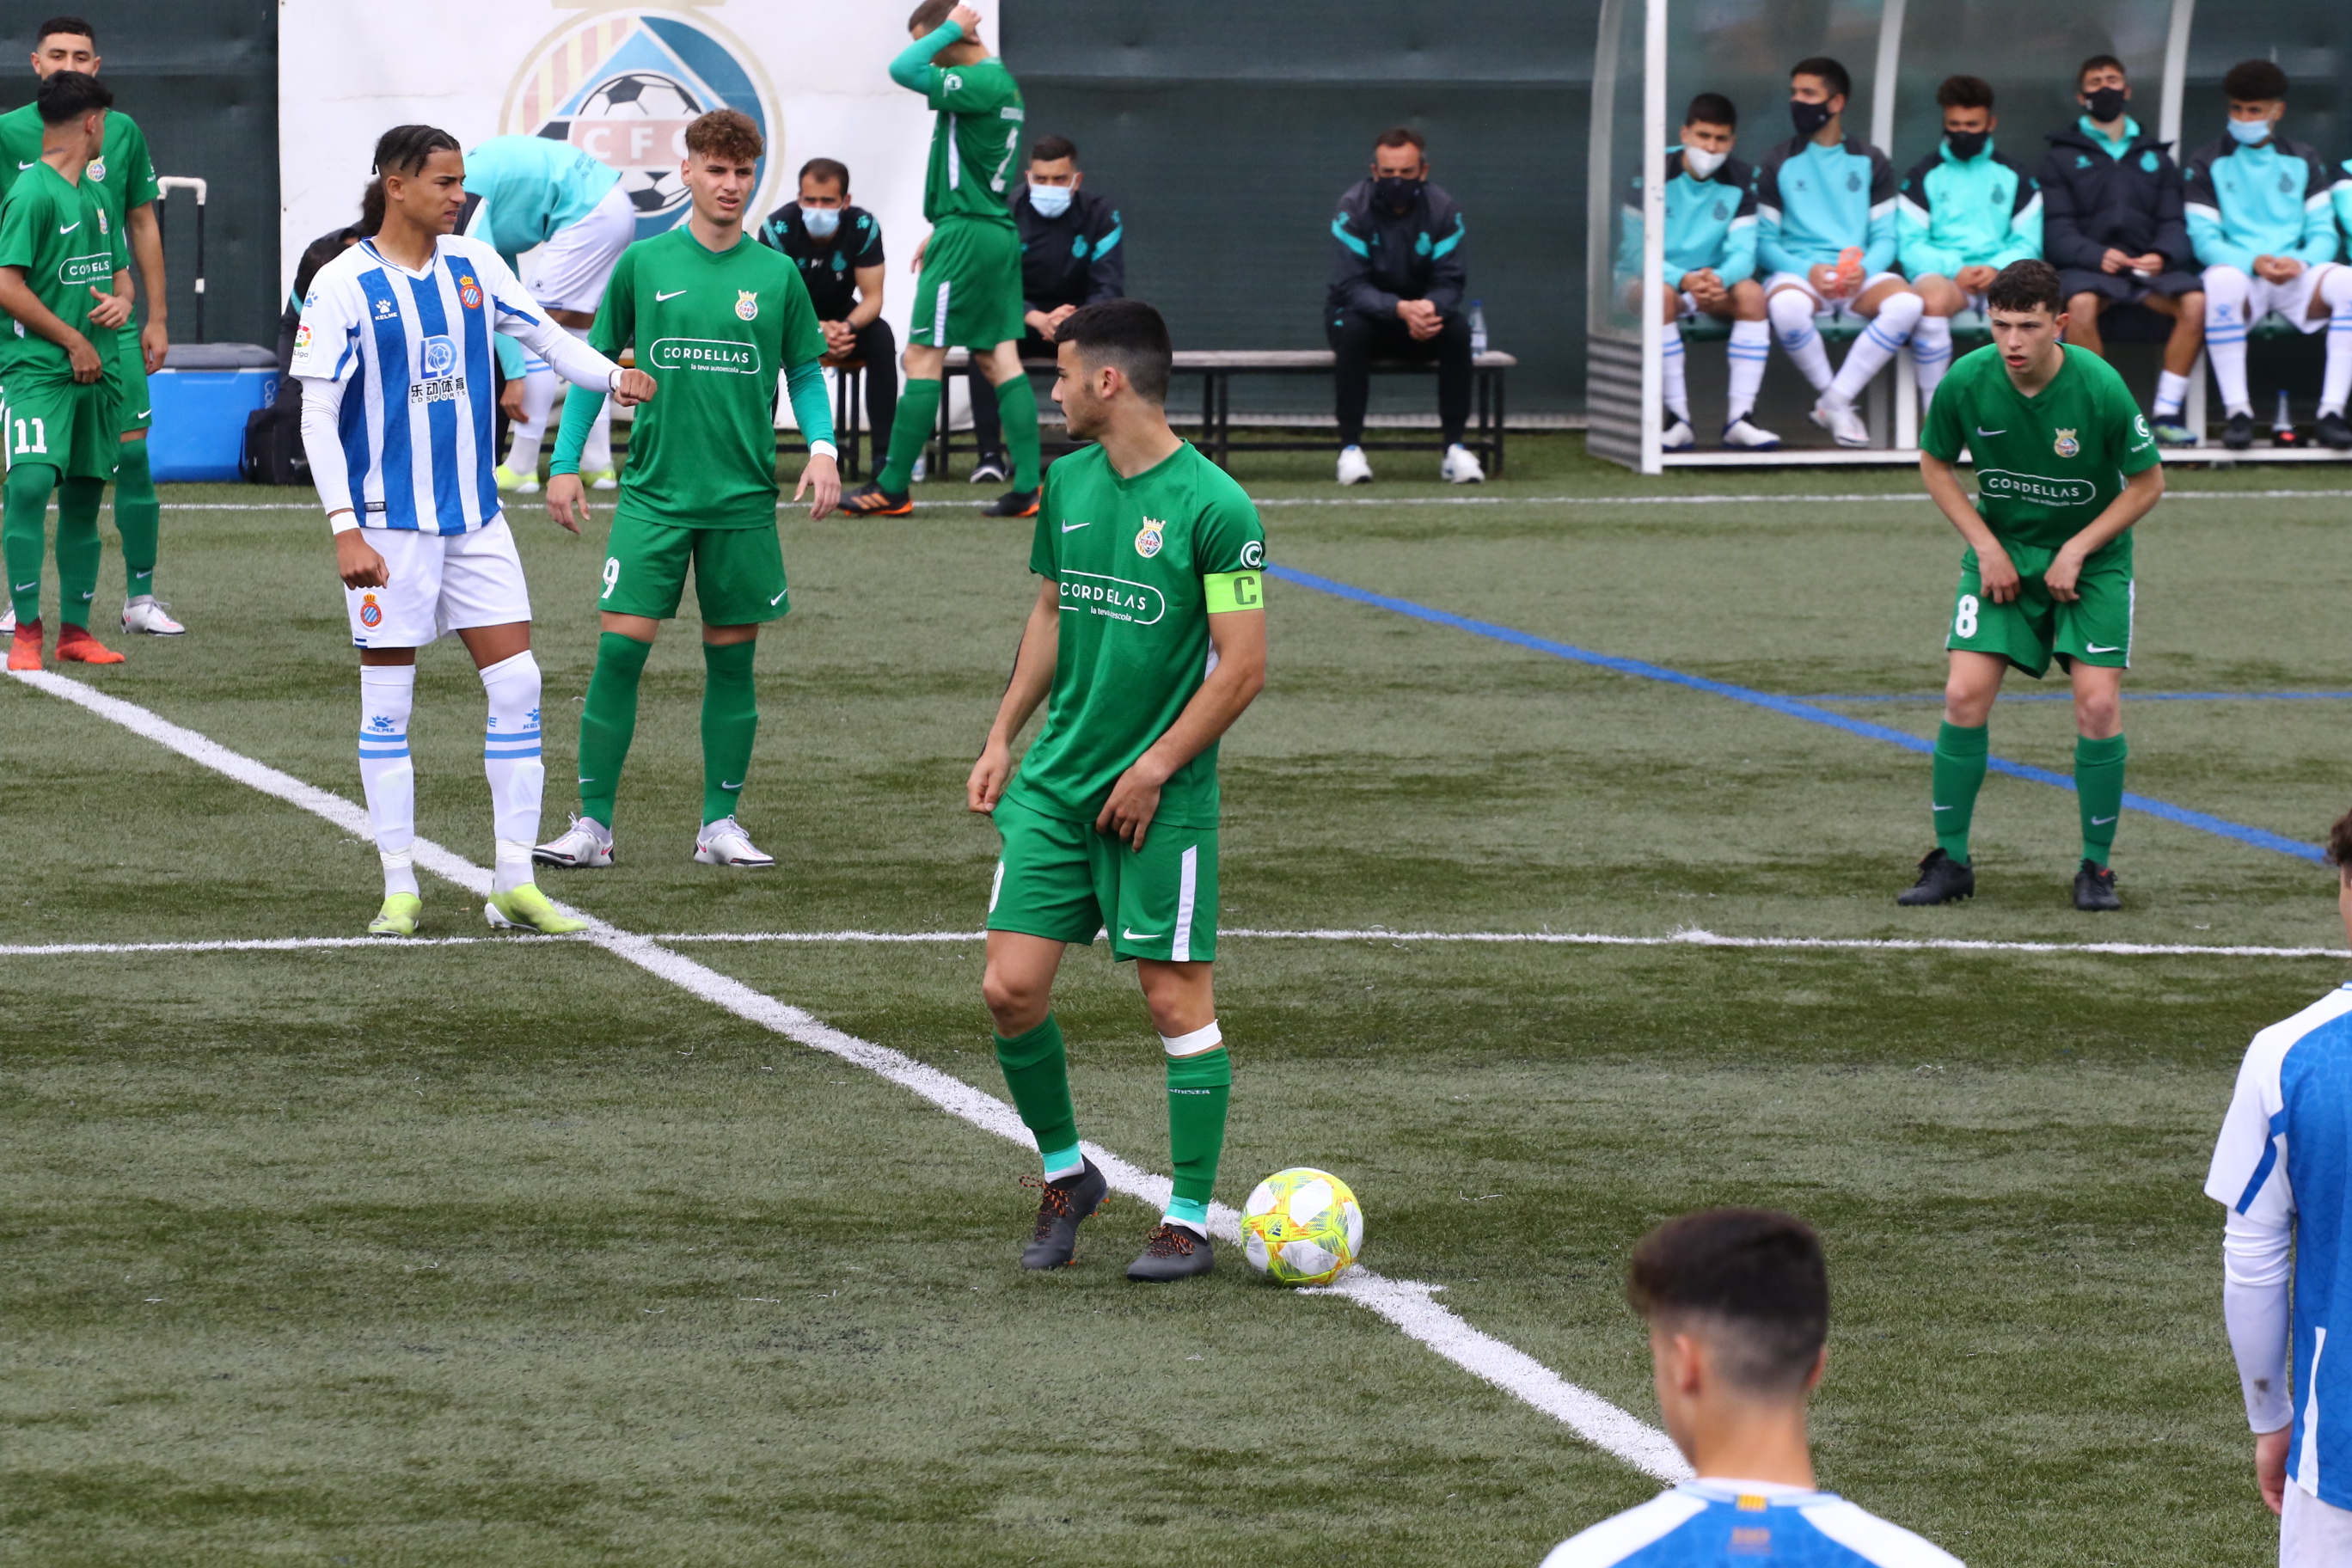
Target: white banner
x=618 y=79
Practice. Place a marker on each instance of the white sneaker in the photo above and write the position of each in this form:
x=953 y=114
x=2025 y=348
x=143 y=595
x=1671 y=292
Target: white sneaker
x=507 y=479
x=603 y=480
x=1676 y=437
x=143 y=615
x=584 y=845
x=8 y=620
x=1739 y=433
x=1844 y=425
x=724 y=843
x=1461 y=467
x=1355 y=468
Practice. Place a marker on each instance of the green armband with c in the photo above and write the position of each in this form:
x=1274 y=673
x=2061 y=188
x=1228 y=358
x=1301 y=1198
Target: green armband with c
x=1234 y=591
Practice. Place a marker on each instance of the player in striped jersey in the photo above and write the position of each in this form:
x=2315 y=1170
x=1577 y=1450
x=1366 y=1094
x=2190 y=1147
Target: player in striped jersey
x=395 y=357
x=1738 y=1305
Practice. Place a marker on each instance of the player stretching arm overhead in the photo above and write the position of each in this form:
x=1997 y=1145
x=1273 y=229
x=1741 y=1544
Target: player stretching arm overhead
x=2065 y=465
x=715 y=313
x=395 y=356
x=1146 y=643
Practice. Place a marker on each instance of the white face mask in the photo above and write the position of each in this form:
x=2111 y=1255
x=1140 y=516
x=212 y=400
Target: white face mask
x=1051 y=201
x=820 y=222
x=2251 y=132
x=1702 y=162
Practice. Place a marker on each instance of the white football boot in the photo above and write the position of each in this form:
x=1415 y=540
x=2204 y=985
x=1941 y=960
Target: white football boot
x=1461 y=467
x=1677 y=437
x=8 y=620
x=144 y=615
x=1844 y=425
x=724 y=843
x=603 y=480
x=583 y=846
x=1355 y=468
x=1741 y=435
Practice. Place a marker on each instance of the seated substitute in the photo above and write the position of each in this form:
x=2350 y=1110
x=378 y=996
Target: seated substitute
x=1737 y=1304
x=838 y=249
x=1966 y=212
x=1396 y=293
x=1710 y=268
x=2112 y=225
x=1070 y=258
x=1825 y=232
x=2261 y=223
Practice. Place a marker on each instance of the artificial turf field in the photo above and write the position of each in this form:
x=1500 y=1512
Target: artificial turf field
x=513 y=1252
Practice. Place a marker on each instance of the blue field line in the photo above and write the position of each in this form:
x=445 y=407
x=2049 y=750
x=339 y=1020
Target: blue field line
x=2069 y=697
x=1794 y=708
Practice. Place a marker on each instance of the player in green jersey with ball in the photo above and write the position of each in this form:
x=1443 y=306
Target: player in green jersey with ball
x=1146 y=643
x=714 y=315
x=2065 y=465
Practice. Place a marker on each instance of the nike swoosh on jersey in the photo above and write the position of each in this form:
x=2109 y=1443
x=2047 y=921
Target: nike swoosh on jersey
x=22 y=166
x=1074 y=527
x=1132 y=935
x=68 y=228
x=2094 y=647
x=673 y=294
x=1983 y=431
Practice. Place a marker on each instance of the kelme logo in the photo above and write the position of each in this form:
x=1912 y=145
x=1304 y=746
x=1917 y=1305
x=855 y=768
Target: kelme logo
x=704 y=354
x=1115 y=597
x=2003 y=485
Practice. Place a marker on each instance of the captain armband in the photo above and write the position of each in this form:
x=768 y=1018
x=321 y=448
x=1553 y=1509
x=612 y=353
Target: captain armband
x=1234 y=591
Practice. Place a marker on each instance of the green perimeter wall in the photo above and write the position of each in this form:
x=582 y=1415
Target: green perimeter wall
x=201 y=78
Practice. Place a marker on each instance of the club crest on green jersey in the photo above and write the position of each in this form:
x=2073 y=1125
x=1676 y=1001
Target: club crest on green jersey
x=1148 y=542
x=96 y=169
x=2066 y=446
x=747 y=303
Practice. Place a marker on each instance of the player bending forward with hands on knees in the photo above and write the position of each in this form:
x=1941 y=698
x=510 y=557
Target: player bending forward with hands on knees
x=395 y=356
x=1146 y=643
x=2065 y=465
x=1737 y=1303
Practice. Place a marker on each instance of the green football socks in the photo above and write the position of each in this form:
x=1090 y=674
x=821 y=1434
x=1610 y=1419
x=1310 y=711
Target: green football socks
x=1016 y=402
x=1038 y=1072
x=24 y=527
x=137 y=516
x=608 y=721
x=1198 y=1087
x=1959 y=772
x=2099 y=789
x=730 y=720
x=78 y=503
x=919 y=410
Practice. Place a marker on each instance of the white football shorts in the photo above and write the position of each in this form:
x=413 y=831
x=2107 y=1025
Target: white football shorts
x=577 y=260
x=2313 y=1534
x=441 y=582
x=1833 y=309
x=2291 y=299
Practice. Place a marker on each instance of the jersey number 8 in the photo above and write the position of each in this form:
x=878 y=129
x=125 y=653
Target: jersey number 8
x=1964 y=618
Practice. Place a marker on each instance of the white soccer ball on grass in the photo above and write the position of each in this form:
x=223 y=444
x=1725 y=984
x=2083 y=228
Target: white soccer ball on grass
x=1302 y=1226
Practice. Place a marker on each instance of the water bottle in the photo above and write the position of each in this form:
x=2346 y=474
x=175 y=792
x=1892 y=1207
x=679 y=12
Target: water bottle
x=2282 y=432
x=1478 y=328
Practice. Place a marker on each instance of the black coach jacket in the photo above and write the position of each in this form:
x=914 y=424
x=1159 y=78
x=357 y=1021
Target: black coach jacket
x=1074 y=259
x=1380 y=257
x=2092 y=200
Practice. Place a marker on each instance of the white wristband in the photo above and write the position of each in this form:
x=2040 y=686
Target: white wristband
x=823 y=449
x=343 y=522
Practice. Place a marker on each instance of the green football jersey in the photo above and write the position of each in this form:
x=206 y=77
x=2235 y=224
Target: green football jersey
x=974 y=141
x=58 y=233
x=2047 y=465
x=714 y=330
x=123 y=174
x=1130 y=556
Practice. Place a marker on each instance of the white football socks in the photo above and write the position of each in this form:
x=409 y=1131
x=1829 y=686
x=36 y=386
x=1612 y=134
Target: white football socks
x=538 y=388
x=2171 y=392
x=1931 y=353
x=1751 y=345
x=2336 y=289
x=510 y=757
x=1677 y=380
x=387 y=692
x=1880 y=342
x=1791 y=311
x=2225 y=336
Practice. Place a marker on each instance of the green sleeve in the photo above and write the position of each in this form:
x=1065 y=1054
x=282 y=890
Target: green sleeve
x=1231 y=539
x=22 y=218
x=580 y=406
x=1945 y=431
x=805 y=383
x=2136 y=447
x=1043 y=558
x=139 y=189
x=913 y=69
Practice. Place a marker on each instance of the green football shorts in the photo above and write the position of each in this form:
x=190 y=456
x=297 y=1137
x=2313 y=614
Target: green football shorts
x=2095 y=629
x=74 y=426
x=739 y=572
x=1064 y=881
x=137 y=413
x=969 y=295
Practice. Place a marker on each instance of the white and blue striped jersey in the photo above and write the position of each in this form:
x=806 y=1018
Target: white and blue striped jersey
x=2285 y=1158
x=1730 y=1524
x=417 y=422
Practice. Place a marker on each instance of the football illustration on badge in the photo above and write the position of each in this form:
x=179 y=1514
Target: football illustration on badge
x=2066 y=446
x=1148 y=542
x=747 y=304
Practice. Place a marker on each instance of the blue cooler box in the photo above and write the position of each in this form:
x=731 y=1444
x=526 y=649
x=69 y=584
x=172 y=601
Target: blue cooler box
x=200 y=398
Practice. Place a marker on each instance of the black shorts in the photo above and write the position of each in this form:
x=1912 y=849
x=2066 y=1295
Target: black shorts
x=2122 y=287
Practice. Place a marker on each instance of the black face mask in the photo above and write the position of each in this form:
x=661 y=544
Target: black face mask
x=1966 y=144
x=1808 y=118
x=2106 y=103
x=1395 y=190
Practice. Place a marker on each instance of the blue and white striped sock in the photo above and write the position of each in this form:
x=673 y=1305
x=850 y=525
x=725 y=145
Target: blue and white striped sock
x=1677 y=380
x=510 y=757
x=1750 y=346
x=387 y=692
x=2336 y=383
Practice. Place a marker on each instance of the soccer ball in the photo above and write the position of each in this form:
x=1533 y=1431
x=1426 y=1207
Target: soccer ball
x=650 y=172
x=1302 y=1226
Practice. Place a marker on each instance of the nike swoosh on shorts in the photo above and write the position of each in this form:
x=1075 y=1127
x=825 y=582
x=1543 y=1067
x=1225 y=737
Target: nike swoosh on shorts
x=1132 y=935
x=2094 y=647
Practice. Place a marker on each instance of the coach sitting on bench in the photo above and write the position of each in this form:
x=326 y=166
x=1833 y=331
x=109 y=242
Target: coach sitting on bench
x=838 y=249
x=1396 y=293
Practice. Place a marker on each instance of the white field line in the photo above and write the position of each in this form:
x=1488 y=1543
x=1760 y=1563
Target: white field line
x=1404 y=1303
x=1693 y=937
